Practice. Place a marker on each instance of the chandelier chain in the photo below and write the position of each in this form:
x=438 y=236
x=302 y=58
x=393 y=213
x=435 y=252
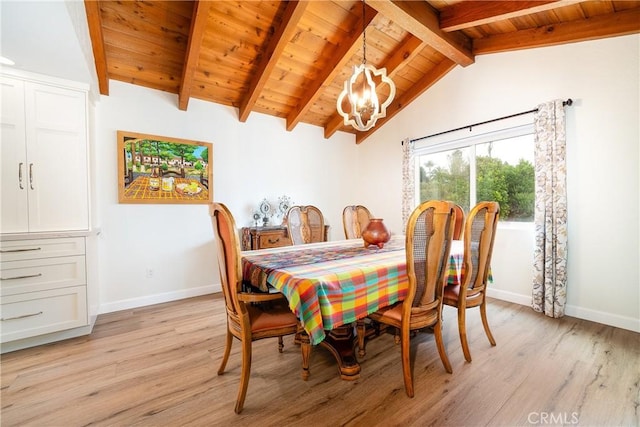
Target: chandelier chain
x=364 y=36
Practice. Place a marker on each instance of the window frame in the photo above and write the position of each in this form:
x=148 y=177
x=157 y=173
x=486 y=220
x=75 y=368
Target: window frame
x=456 y=140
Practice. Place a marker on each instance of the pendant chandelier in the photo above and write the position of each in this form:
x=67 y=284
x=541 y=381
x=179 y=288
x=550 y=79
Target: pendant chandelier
x=360 y=91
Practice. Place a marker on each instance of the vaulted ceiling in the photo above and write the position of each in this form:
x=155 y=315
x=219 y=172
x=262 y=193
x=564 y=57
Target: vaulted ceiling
x=290 y=58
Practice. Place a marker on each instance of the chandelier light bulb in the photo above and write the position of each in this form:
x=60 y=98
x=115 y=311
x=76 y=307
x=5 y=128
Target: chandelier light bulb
x=364 y=106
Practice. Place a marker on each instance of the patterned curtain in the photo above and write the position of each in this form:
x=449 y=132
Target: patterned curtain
x=408 y=181
x=550 y=217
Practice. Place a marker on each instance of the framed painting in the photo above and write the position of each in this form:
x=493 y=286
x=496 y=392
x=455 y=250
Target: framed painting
x=159 y=169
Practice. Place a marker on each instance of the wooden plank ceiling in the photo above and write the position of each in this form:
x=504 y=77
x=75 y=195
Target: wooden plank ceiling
x=290 y=58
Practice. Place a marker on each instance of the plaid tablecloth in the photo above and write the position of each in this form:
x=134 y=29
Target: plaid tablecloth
x=456 y=268
x=332 y=283
x=454 y=274
x=335 y=283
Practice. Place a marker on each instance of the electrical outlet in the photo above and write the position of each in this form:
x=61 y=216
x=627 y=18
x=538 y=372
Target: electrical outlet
x=149 y=273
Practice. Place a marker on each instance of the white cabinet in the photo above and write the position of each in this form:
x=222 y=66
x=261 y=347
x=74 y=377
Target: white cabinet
x=43 y=285
x=44 y=156
x=47 y=277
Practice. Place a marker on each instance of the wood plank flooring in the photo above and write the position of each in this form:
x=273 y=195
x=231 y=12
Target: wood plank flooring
x=156 y=366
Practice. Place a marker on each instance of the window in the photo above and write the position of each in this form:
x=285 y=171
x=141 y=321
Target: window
x=496 y=166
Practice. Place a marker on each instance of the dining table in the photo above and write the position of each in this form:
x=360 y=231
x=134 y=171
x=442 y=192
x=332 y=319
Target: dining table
x=331 y=285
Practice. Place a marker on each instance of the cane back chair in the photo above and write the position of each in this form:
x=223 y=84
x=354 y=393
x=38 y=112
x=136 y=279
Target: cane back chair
x=355 y=219
x=305 y=224
x=250 y=316
x=479 y=234
x=428 y=244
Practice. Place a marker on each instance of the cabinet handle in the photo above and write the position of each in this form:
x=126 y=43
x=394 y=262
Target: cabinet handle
x=21 y=317
x=21 y=277
x=31 y=176
x=8 y=251
x=20 y=175
x=271 y=241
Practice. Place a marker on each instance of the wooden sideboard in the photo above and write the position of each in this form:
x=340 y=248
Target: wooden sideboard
x=268 y=237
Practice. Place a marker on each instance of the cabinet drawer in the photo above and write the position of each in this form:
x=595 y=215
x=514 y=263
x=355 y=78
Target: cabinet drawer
x=16 y=250
x=273 y=240
x=38 y=313
x=17 y=277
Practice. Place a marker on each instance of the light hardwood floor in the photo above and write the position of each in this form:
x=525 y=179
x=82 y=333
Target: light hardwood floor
x=157 y=366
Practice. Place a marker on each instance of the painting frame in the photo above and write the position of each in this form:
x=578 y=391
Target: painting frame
x=156 y=169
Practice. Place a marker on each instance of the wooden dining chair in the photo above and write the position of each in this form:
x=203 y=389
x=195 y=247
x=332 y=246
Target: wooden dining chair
x=250 y=316
x=305 y=224
x=459 y=224
x=355 y=219
x=428 y=243
x=479 y=234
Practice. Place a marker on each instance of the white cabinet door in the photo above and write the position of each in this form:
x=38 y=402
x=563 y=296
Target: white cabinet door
x=57 y=158
x=45 y=179
x=13 y=154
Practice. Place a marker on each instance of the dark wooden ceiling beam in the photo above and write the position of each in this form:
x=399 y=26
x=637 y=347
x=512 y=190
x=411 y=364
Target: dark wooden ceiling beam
x=597 y=27
x=283 y=34
x=342 y=56
x=196 y=33
x=411 y=47
x=421 y=20
x=472 y=13
x=92 y=9
x=428 y=80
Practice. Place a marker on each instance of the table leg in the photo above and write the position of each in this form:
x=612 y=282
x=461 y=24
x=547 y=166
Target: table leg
x=305 y=343
x=341 y=342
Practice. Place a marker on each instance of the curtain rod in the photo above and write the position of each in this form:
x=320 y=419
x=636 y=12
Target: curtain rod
x=564 y=103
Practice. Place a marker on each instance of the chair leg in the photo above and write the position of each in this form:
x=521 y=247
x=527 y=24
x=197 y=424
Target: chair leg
x=462 y=329
x=485 y=323
x=296 y=338
x=437 y=331
x=405 y=342
x=361 y=332
x=280 y=344
x=227 y=351
x=244 y=373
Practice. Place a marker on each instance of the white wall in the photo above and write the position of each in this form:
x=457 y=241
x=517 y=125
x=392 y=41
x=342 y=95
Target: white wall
x=252 y=161
x=602 y=77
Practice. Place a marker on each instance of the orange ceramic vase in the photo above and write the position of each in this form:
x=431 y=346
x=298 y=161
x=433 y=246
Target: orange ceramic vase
x=376 y=233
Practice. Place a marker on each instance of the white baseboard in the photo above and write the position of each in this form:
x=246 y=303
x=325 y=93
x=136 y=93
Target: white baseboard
x=609 y=319
x=509 y=296
x=158 y=298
